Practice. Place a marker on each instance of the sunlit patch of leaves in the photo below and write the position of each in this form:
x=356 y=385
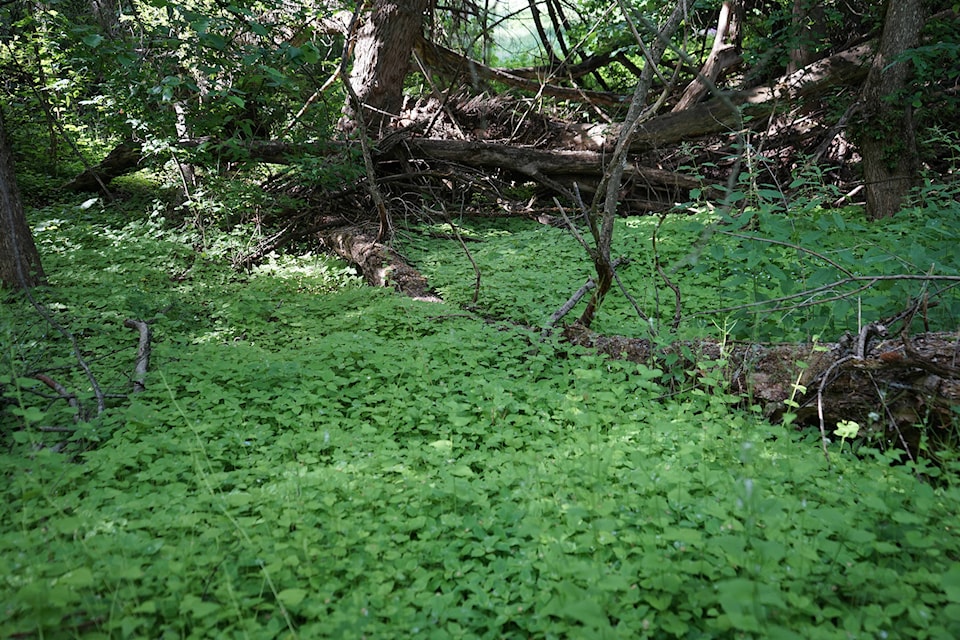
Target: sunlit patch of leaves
x=315 y=459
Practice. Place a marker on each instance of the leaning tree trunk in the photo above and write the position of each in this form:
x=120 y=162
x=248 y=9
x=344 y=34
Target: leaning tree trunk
x=891 y=164
x=724 y=53
x=19 y=260
x=382 y=55
x=613 y=178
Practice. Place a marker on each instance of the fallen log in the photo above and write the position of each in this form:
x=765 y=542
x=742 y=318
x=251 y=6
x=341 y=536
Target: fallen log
x=554 y=169
x=123 y=159
x=895 y=390
x=731 y=111
x=380 y=265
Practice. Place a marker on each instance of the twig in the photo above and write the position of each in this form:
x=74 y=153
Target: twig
x=870 y=280
x=573 y=228
x=62 y=392
x=45 y=313
x=574 y=299
x=476 y=269
x=677 y=311
x=789 y=245
x=893 y=420
x=863 y=340
x=636 y=307
x=824 y=381
x=306 y=105
x=143 y=353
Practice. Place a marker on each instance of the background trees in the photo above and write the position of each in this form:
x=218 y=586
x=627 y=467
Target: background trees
x=19 y=260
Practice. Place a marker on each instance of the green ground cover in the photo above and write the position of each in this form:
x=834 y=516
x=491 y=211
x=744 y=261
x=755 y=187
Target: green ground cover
x=313 y=458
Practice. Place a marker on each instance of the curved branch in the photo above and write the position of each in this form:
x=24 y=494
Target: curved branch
x=869 y=280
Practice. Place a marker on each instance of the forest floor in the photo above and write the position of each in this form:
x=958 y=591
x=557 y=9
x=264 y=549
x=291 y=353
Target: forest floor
x=314 y=457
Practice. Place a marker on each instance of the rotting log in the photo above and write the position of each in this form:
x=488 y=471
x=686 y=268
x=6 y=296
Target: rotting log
x=123 y=159
x=715 y=116
x=896 y=388
x=380 y=265
x=552 y=168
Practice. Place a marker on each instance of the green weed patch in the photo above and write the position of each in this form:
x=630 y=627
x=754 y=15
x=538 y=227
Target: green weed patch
x=315 y=459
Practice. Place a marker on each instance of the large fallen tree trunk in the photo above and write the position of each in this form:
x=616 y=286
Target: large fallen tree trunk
x=731 y=111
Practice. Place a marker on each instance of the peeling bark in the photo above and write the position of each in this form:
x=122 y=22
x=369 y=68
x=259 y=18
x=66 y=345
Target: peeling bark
x=380 y=265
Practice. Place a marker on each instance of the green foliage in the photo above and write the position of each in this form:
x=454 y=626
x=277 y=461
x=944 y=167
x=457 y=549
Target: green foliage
x=168 y=70
x=314 y=459
x=742 y=265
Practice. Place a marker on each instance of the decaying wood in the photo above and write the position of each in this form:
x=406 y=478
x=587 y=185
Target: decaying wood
x=900 y=383
x=380 y=265
x=715 y=116
x=555 y=169
x=124 y=159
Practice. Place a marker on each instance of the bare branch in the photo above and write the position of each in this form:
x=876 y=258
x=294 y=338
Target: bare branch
x=143 y=353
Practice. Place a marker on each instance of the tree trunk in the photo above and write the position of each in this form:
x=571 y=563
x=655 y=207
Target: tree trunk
x=605 y=209
x=808 y=26
x=19 y=260
x=891 y=164
x=382 y=56
x=724 y=53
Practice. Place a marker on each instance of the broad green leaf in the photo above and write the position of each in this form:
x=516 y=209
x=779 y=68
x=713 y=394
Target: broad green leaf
x=291 y=597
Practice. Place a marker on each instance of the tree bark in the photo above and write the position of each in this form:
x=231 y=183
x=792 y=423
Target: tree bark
x=380 y=265
x=891 y=163
x=382 y=56
x=724 y=53
x=20 y=265
x=896 y=388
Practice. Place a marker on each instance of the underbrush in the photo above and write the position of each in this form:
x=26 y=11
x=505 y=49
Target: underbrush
x=765 y=276
x=316 y=459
